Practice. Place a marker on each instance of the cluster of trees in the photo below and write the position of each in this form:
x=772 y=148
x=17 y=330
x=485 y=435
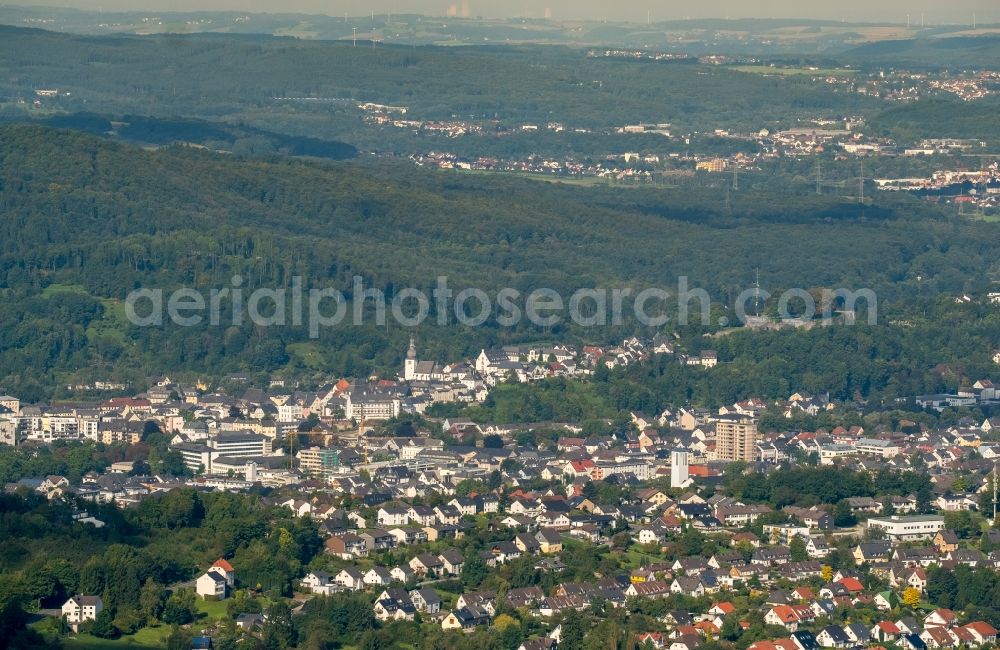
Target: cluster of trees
x=976 y=591
x=132 y=562
x=73 y=459
x=942 y=118
x=809 y=486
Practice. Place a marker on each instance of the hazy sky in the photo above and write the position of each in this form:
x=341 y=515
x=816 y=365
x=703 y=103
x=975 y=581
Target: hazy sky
x=935 y=11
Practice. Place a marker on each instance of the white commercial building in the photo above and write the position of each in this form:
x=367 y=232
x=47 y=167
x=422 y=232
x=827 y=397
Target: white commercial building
x=907 y=528
x=228 y=444
x=875 y=447
x=679 y=477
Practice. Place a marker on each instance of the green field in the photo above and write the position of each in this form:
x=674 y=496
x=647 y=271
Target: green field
x=149 y=637
x=54 y=289
x=214 y=610
x=635 y=558
x=788 y=72
x=586 y=181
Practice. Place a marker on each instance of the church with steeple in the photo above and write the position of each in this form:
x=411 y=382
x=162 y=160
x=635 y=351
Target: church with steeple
x=414 y=370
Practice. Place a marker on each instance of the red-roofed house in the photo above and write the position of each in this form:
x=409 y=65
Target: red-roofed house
x=226 y=569
x=762 y=645
x=784 y=616
x=683 y=630
x=707 y=629
x=579 y=468
x=982 y=631
x=885 y=631
x=656 y=639
x=804 y=593
x=940 y=617
x=964 y=636
x=852 y=585
x=938 y=637
x=722 y=609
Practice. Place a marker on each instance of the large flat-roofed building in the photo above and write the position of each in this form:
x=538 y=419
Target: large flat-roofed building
x=200 y=456
x=240 y=444
x=735 y=438
x=907 y=528
x=875 y=447
x=369 y=403
x=197 y=457
x=319 y=461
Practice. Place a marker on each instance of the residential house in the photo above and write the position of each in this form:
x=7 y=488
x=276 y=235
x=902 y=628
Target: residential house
x=402 y=573
x=885 y=632
x=351 y=579
x=939 y=637
x=875 y=551
x=833 y=636
x=377 y=577
x=940 y=617
x=427 y=565
x=394 y=515
x=320 y=582
x=945 y=541
x=452 y=562
x=466 y=618
x=80 y=609
x=426 y=600
x=346 y=546
x=525 y=597
x=211 y=584
x=981 y=632
x=549 y=540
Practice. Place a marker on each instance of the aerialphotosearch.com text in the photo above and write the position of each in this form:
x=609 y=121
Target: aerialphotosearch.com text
x=319 y=308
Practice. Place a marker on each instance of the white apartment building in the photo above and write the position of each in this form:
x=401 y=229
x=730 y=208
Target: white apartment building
x=907 y=528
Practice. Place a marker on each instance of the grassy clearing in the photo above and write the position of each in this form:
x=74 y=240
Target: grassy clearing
x=635 y=558
x=214 y=610
x=584 y=181
x=309 y=353
x=54 y=289
x=147 y=637
x=114 y=324
x=791 y=72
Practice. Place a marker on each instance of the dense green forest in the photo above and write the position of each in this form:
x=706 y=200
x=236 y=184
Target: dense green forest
x=923 y=53
x=238 y=79
x=264 y=94
x=85 y=221
x=974 y=120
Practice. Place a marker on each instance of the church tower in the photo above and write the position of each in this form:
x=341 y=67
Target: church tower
x=410 y=365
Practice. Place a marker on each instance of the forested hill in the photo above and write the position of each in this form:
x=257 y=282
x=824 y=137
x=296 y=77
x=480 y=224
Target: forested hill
x=216 y=76
x=84 y=220
x=943 y=52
